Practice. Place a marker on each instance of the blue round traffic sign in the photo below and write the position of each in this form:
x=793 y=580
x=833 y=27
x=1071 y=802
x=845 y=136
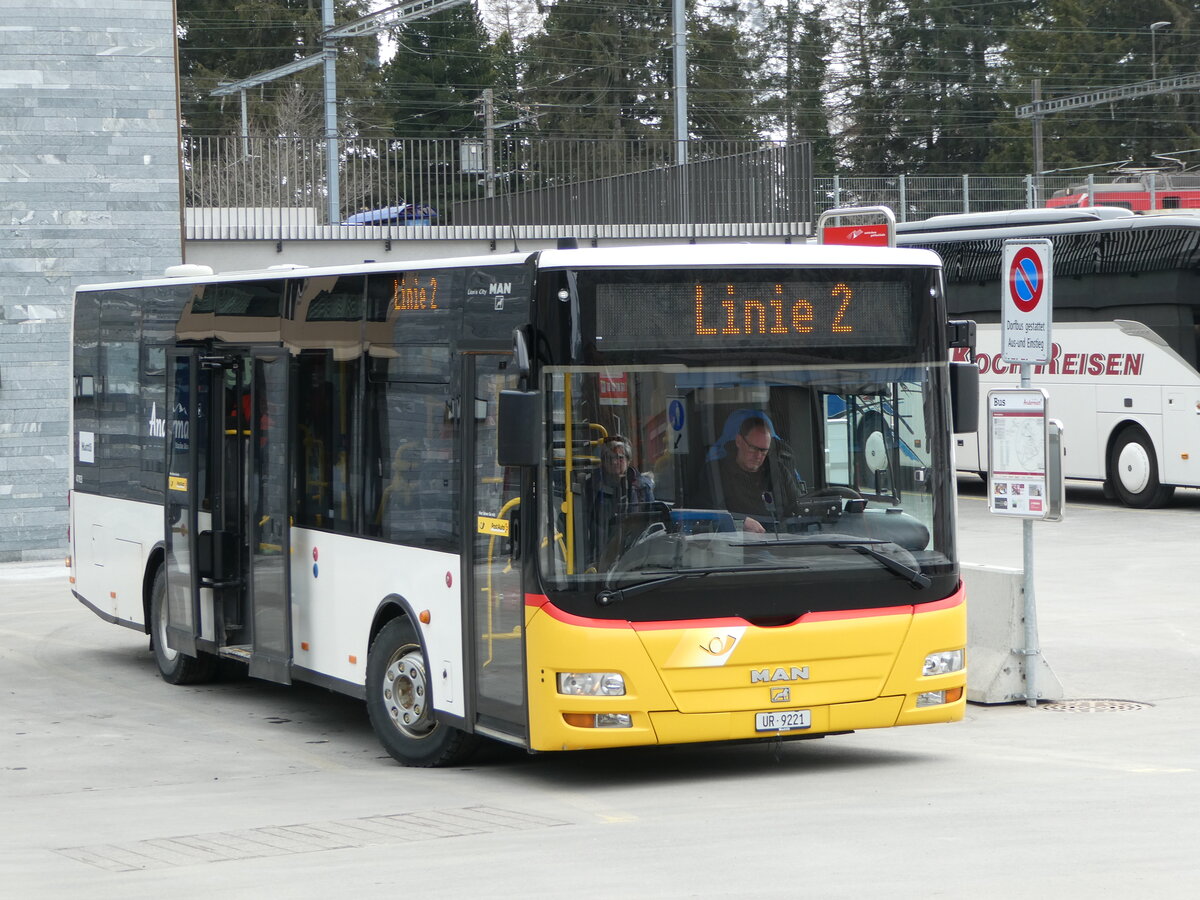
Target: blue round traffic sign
x=1026 y=279
x=675 y=414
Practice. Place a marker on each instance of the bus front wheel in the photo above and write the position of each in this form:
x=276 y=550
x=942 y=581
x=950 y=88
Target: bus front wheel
x=1133 y=471
x=175 y=667
x=400 y=703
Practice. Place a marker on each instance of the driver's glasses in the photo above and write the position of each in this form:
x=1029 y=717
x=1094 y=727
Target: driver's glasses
x=753 y=448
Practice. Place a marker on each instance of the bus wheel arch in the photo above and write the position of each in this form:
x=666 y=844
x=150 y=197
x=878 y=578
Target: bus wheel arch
x=1133 y=468
x=400 y=699
x=157 y=560
x=174 y=667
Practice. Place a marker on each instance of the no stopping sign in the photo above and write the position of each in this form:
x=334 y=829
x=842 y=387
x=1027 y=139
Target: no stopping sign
x=1026 y=301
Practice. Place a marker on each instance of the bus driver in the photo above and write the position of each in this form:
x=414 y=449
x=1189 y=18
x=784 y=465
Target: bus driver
x=752 y=480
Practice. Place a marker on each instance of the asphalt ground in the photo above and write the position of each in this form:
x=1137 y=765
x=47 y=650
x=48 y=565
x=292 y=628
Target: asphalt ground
x=114 y=784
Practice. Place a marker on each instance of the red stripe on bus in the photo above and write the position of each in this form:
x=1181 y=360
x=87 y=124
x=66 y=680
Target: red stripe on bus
x=543 y=602
x=956 y=599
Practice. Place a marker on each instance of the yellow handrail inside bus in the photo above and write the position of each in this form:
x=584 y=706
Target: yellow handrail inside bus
x=490 y=635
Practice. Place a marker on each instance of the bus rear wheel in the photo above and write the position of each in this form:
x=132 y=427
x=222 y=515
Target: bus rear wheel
x=175 y=667
x=1133 y=471
x=400 y=703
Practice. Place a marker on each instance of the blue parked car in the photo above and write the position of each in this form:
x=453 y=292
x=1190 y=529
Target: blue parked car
x=404 y=214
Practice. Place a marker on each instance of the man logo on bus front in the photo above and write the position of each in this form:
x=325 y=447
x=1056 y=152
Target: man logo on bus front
x=795 y=673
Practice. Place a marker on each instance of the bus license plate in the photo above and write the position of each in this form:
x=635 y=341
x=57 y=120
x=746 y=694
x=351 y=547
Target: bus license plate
x=783 y=720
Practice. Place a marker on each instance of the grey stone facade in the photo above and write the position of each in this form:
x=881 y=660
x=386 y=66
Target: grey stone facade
x=89 y=192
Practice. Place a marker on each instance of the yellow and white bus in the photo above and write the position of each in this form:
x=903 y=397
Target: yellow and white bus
x=383 y=480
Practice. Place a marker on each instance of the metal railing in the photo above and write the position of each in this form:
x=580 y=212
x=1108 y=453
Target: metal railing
x=275 y=189
x=246 y=187
x=916 y=197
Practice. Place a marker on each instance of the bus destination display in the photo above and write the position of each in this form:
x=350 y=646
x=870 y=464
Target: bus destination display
x=743 y=315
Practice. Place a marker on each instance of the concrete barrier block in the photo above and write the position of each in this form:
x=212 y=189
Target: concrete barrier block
x=996 y=670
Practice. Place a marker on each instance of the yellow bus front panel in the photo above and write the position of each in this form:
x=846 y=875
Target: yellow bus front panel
x=692 y=681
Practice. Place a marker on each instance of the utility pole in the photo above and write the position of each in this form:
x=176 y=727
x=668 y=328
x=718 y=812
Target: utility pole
x=1038 y=162
x=333 y=192
x=489 y=140
x=679 y=23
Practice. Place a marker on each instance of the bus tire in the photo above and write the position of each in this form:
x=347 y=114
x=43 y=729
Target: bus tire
x=400 y=702
x=1133 y=471
x=174 y=666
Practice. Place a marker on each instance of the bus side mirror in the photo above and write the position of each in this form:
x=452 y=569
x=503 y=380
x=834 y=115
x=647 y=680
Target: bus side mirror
x=519 y=438
x=964 y=398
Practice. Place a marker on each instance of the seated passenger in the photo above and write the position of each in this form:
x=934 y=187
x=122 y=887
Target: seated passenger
x=749 y=475
x=612 y=489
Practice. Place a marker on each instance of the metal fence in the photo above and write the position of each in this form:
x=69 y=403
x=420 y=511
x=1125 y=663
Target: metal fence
x=243 y=187
x=277 y=188
x=916 y=197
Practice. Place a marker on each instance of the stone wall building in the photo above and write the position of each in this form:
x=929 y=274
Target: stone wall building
x=89 y=192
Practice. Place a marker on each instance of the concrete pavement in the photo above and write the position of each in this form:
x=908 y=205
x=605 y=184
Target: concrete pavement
x=114 y=784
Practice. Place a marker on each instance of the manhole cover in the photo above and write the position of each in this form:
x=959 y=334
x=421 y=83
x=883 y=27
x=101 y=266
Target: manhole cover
x=1090 y=706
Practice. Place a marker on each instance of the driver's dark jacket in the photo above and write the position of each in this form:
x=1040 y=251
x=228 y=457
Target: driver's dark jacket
x=771 y=493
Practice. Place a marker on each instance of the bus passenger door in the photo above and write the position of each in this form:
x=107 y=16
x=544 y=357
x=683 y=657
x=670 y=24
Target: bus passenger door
x=266 y=522
x=226 y=508
x=186 y=508
x=496 y=606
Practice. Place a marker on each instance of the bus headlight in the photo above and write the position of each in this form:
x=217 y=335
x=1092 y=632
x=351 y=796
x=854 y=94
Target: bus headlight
x=943 y=663
x=591 y=684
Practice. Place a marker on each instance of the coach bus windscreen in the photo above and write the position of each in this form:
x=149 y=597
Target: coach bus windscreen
x=765 y=492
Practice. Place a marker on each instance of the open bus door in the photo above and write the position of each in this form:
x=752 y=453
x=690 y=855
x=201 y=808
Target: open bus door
x=226 y=509
x=492 y=565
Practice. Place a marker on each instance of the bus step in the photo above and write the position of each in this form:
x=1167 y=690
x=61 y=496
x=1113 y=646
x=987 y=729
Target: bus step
x=237 y=651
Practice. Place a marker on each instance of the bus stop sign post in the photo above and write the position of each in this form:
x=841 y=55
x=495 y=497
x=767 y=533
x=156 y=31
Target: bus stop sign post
x=1026 y=306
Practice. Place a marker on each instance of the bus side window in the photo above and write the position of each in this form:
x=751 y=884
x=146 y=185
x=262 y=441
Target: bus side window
x=411 y=466
x=326 y=420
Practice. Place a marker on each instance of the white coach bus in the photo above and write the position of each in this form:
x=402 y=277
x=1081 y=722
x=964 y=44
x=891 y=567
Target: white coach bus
x=1126 y=337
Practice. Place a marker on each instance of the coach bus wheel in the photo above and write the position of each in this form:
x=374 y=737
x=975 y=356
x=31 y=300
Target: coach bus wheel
x=875 y=443
x=400 y=703
x=175 y=667
x=1133 y=471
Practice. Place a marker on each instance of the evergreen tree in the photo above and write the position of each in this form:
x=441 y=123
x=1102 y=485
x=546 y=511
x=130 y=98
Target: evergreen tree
x=923 y=90
x=866 y=97
x=721 y=69
x=442 y=64
x=793 y=76
x=1075 y=46
x=601 y=71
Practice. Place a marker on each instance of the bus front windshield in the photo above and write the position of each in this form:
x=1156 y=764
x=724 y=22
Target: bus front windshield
x=765 y=492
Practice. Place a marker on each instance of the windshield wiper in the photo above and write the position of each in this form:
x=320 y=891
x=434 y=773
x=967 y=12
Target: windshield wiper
x=915 y=577
x=609 y=596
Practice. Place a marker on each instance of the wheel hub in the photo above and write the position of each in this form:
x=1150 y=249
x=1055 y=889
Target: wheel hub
x=1133 y=468
x=406 y=693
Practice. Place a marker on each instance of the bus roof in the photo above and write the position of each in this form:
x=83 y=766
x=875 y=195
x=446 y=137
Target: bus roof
x=652 y=256
x=724 y=255
x=1105 y=220
x=1015 y=217
x=1101 y=245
